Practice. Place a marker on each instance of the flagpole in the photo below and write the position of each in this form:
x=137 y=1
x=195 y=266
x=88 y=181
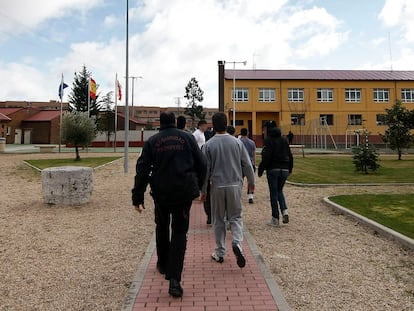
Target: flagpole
x=89 y=95
x=61 y=104
x=116 y=109
x=126 y=140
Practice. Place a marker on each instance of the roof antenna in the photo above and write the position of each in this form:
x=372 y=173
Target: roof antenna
x=389 y=45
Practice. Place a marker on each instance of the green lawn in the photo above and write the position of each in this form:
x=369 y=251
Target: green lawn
x=90 y=162
x=394 y=211
x=340 y=170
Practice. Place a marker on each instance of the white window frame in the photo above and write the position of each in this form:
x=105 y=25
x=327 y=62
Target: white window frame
x=296 y=95
x=267 y=95
x=409 y=98
x=244 y=92
x=353 y=121
x=353 y=95
x=381 y=95
x=8 y=130
x=326 y=116
x=324 y=95
x=299 y=117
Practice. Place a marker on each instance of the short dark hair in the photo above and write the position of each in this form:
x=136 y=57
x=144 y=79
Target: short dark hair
x=167 y=118
x=244 y=132
x=219 y=122
x=201 y=122
x=231 y=130
x=181 y=122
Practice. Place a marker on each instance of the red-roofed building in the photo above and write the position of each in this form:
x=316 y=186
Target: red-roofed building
x=15 y=133
x=321 y=107
x=43 y=127
x=4 y=120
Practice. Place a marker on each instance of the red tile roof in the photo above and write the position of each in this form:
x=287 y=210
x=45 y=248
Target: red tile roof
x=4 y=117
x=44 y=115
x=9 y=111
x=369 y=75
x=131 y=119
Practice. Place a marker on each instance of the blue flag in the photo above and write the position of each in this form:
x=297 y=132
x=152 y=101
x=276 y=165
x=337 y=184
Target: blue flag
x=62 y=86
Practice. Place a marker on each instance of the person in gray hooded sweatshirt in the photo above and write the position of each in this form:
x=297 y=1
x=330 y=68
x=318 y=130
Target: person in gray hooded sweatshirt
x=227 y=162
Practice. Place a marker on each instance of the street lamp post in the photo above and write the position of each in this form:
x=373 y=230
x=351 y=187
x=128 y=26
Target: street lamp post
x=234 y=88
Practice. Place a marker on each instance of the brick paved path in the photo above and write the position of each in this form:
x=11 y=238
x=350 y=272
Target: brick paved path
x=207 y=285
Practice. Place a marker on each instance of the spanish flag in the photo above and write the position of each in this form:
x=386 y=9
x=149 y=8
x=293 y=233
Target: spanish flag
x=92 y=88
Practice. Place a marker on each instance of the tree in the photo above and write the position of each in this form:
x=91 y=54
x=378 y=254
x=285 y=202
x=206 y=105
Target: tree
x=365 y=158
x=78 y=130
x=78 y=97
x=194 y=95
x=106 y=120
x=399 y=121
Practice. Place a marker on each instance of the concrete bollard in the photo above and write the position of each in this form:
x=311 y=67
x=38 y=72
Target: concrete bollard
x=67 y=185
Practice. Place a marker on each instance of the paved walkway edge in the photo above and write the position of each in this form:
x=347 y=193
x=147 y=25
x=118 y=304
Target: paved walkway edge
x=385 y=231
x=305 y=185
x=268 y=276
x=136 y=283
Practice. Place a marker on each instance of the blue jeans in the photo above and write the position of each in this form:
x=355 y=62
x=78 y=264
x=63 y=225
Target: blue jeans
x=276 y=180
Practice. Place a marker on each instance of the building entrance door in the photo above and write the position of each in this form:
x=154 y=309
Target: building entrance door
x=27 y=139
x=18 y=136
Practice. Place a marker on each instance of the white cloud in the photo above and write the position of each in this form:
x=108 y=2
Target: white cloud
x=22 y=16
x=110 y=20
x=184 y=39
x=399 y=13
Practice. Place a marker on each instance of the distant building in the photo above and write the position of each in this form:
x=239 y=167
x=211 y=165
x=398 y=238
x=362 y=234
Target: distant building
x=320 y=107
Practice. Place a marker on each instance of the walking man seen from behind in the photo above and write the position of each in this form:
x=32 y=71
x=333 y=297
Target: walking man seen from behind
x=251 y=150
x=175 y=168
x=227 y=162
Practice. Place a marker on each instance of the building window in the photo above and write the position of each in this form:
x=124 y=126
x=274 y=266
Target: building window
x=239 y=122
x=8 y=131
x=353 y=95
x=267 y=95
x=381 y=95
x=381 y=119
x=326 y=119
x=354 y=119
x=325 y=95
x=297 y=119
x=242 y=95
x=407 y=95
x=296 y=95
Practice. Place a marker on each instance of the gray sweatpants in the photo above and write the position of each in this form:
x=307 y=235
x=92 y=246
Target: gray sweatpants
x=226 y=201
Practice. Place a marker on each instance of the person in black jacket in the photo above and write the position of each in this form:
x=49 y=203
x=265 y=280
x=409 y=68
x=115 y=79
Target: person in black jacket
x=175 y=168
x=277 y=160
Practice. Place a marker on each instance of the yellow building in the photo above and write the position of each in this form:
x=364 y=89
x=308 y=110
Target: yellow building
x=322 y=108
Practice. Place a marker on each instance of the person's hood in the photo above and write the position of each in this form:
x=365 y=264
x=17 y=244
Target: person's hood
x=275 y=132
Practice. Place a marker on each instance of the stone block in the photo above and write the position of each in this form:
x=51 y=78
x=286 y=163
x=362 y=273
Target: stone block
x=67 y=185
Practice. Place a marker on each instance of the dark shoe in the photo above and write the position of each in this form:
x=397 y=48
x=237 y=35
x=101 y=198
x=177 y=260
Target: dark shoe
x=175 y=289
x=285 y=219
x=241 y=261
x=217 y=258
x=251 y=201
x=160 y=269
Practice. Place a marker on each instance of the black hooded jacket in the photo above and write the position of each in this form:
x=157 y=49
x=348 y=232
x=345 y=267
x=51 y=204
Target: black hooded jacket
x=276 y=153
x=173 y=165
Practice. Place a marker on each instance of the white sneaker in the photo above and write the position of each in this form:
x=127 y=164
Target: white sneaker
x=217 y=258
x=285 y=216
x=274 y=222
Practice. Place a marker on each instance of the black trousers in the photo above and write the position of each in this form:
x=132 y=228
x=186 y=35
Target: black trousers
x=171 y=247
x=207 y=203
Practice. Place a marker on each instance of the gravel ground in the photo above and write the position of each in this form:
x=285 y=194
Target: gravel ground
x=83 y=258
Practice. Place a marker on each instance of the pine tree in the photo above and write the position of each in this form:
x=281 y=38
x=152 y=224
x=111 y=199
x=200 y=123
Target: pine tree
x=194 y=95
x=78 y=97
x=366 y=157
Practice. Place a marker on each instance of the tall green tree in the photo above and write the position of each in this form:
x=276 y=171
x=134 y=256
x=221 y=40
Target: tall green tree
x=399 y=121
x=106 y=120
x=78 y=130
x=194 y=95
x=78 y=97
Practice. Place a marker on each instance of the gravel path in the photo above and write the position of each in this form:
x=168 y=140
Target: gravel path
x=83 y=258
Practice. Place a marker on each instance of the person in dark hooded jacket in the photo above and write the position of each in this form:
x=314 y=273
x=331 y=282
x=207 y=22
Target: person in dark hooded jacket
x=277 y=160
x=175 y=168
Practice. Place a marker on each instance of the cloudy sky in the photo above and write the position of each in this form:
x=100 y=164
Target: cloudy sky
x=174 y=40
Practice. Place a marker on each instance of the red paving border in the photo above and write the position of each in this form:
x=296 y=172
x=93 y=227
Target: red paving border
x=208 y=286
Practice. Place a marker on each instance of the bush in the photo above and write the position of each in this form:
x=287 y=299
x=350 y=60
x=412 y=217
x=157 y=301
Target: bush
x=365 y=158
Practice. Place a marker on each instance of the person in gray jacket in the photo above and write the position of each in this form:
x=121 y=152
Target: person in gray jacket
x=227 y=162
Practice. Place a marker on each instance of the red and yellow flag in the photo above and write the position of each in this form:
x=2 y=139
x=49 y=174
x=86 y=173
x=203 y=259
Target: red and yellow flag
x=92 y=88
